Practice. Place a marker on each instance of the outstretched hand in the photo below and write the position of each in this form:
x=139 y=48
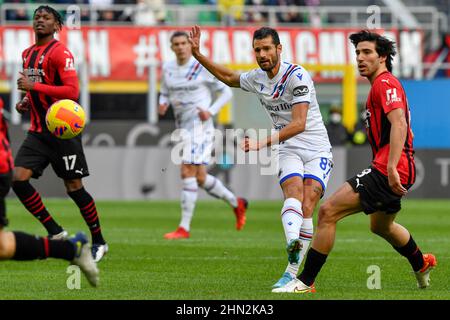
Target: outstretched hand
x=248 y=144
x=194 y=39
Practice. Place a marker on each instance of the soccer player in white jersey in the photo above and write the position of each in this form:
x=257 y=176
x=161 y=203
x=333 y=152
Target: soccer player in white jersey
x=188 y=88
x=286 y=91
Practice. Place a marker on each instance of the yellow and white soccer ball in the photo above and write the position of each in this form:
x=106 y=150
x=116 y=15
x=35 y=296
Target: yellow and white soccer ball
x=65 y=119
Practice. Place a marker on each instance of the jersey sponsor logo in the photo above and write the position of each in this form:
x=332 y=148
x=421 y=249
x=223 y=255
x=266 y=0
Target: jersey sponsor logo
x=262 y=87
x=299 y=76
x=35 y=74
x=391 y=96
x=69 y=65
x=278 y=107
x=301 y=91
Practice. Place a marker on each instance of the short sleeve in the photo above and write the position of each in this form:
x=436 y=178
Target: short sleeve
x=301 y=86
x=390 y=95
x=164 y=91
x=246 y=81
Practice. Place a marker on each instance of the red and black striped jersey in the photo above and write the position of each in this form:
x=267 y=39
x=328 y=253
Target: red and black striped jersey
x=51 y=68
x=6 y=159
x=386 y=95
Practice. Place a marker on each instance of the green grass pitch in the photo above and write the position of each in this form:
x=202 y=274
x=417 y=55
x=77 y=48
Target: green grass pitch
x=218 y=262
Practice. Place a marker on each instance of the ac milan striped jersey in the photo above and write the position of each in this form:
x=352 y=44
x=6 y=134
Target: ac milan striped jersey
x=6 y=160
x=386 y=95
x=51 y=67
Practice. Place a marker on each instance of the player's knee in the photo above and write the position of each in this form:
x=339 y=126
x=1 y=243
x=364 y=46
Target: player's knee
x=73 y=185
x=201 y=180
x=379 y=229
x=3 y=245
x=187 y=172
x=326 y=214
x=21 y=174
x=292 y=190
x=308 y=208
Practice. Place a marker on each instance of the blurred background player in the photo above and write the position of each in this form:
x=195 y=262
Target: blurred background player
x=188 y=88
x=377 y=190
x=305 y=161
x=49 y=75
x=17 y=245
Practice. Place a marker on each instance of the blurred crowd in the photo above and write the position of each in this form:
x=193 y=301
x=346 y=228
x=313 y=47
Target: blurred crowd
x=154 y=12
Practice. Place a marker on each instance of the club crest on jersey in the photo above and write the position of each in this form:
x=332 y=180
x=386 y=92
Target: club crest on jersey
x=300 y=91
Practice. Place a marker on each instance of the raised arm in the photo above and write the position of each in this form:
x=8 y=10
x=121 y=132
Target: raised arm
x=227 y=76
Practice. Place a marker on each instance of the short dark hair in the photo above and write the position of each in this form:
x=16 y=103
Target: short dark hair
x=179 y=33
x=383 y=46
x=55 y=14
x=265 y=32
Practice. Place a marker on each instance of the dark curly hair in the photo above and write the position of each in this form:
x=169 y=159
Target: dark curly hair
x=383 y=46
x=56 y=14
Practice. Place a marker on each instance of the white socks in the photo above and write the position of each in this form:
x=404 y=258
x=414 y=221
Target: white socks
x=292 y=218
x=216 y=188
x=188 y=200
x=306 y=235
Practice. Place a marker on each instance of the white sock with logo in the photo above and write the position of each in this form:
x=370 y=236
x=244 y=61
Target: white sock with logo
x=216 y=188
x=306 y=234
x=292 y=219
x=188 y=200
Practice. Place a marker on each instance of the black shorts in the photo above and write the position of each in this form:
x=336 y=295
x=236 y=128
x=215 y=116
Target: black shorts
x=5 y=184
x=41 y=149
x=375 y=193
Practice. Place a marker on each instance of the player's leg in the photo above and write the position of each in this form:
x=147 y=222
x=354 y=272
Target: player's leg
x=317 y=174
x=88 y=210
x=32 y=201
x=189 y=194
x=312 y=192
x=215 y=188
x=30 y=161
x=290 y=177
x=345 y=201
x=400 y=238
x=22 y=246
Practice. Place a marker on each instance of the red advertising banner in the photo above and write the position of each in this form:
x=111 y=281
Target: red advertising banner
x=123 y=53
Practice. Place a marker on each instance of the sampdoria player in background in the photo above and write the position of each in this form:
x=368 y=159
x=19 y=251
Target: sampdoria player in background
x=188 y=88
